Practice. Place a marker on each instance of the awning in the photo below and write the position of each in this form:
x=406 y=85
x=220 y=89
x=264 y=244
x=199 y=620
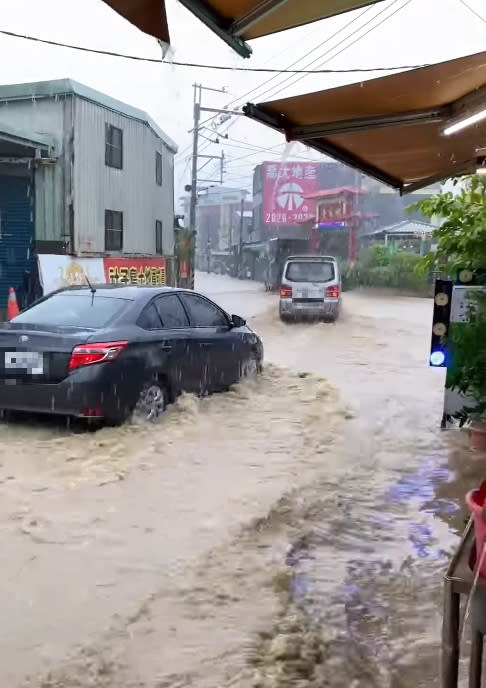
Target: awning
x=392 y=128
x=235 y=21
x=25 y=147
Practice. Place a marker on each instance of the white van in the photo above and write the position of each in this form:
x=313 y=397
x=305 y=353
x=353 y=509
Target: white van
x=310 y=287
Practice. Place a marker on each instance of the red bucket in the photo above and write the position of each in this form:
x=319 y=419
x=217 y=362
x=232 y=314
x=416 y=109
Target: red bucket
x=475 y=500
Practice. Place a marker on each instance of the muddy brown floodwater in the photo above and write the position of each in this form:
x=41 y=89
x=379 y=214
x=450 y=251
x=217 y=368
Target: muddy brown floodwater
x=292 y=532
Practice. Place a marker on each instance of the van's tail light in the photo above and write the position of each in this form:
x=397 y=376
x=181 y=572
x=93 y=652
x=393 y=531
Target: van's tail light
x=87 y=354
x=333 y=292
x=285 y=292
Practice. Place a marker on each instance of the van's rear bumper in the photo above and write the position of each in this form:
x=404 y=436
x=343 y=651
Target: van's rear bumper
x=318 y=308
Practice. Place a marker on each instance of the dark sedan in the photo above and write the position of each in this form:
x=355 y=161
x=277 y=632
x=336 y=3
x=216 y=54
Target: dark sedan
x=105 y=351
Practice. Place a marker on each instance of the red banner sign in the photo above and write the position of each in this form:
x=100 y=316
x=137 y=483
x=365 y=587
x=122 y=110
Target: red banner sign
x=149 y=271
x=285 y=186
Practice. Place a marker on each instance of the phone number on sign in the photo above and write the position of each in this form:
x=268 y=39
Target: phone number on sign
x=286 y=218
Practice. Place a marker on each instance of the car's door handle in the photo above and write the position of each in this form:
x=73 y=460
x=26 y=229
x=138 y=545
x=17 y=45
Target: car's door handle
x=207 y=343
x=166 y=347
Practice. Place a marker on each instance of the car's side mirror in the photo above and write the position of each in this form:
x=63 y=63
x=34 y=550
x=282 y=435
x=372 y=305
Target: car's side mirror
x=237 y=321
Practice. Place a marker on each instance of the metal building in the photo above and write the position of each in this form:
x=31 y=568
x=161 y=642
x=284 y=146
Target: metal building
x=80 y=174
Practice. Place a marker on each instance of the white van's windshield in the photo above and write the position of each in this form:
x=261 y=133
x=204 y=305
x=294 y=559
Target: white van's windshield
x=309 y=271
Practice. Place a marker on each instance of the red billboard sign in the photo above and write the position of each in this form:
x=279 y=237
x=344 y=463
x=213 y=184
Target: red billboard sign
x=151 y=271
x=285 y=186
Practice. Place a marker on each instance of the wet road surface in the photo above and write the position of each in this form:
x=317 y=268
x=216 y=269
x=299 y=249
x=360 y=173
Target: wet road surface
x=151 y=557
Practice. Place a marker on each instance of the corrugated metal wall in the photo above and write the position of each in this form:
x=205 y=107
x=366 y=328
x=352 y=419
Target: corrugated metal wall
x=49 y=204
x=16 y=232
x=132 y=190
x=43 y=116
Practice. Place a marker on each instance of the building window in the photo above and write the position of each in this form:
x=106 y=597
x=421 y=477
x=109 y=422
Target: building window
x=158 y=168
x=113 y=147
x=113 y=230
x=158 y=238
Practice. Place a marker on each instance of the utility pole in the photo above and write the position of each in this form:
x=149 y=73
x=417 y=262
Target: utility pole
x=197 y=109
x=192 y=188
x=195 y=141
x=240 y=246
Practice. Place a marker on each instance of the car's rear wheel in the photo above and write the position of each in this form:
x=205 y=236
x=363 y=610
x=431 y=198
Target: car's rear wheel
x=152 y=401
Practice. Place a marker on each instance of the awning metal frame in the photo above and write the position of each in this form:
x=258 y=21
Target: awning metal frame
x=231 y=32
x=280 y=124
x=315 y=131
x=314 y=135
x=218 y=25
x=254 y=15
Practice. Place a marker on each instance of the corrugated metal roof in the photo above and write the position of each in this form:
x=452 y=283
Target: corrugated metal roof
x=63 y=87
x=404 y=227
x=392 y=127
x=235 y=21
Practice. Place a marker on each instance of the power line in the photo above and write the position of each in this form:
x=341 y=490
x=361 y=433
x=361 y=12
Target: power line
x=290 y=81
x=471 y=9
x=293 y=64
x=196 y=65
x=280 y=86
x=300 y=59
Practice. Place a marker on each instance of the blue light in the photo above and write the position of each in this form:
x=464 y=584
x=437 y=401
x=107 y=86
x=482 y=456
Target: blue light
x=437 y=358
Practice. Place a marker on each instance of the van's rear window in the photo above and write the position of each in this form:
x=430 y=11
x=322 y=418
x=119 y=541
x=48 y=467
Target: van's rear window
x=310 y=271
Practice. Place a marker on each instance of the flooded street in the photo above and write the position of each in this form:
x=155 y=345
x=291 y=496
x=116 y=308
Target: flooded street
x=292 y=532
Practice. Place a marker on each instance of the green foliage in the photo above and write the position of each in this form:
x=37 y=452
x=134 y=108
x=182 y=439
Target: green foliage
x=378 y=267
x=378 y=255
x=461 y=238
x=467 y=372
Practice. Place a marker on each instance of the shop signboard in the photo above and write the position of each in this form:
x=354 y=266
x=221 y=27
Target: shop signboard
x=285 y=187
x=57 y=271
x=334 y=210
x=147 y=271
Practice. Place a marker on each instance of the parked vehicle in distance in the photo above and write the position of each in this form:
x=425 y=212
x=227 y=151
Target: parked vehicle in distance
x=102 y=352
x=310 y=287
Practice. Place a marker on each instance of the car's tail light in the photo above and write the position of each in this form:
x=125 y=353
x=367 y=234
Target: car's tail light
x=87 y=354
x=333 y=292
x=95 y=412
x=285 y=292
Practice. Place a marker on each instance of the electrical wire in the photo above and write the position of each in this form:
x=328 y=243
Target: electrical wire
x=291 y=81
x=197 y=65
x=280 y=87
x=272 y=92
x=300 y=59
x=471 y=9
x=293 y=64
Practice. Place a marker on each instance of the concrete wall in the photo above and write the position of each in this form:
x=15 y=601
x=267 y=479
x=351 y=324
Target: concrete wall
x=132 y=190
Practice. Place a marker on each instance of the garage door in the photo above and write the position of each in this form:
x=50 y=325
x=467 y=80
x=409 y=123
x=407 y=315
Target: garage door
x=16 y=232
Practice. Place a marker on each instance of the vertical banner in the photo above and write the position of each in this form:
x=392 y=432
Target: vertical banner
x=285 y=187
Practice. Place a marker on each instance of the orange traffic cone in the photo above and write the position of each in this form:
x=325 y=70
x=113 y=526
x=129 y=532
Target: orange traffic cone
x=12 y=306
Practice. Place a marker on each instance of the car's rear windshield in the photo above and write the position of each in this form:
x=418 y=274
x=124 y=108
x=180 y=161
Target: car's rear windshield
x=310 y=271
x=73 y=310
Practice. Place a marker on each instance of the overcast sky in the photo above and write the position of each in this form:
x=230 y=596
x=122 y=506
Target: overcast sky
x=390 y=33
